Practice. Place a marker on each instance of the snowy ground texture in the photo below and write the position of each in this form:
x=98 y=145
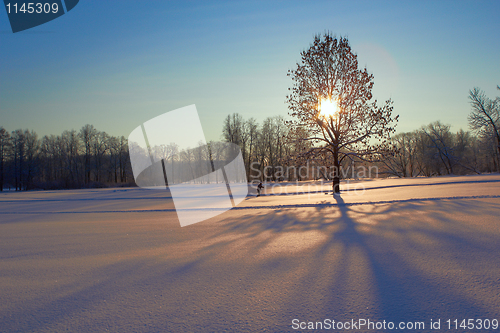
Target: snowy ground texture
x=117 y=260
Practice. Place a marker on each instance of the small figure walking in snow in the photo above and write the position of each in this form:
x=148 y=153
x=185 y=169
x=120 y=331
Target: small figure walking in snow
x=259 y=187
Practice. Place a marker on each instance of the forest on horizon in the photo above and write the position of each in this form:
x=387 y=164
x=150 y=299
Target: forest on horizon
x=92 y=158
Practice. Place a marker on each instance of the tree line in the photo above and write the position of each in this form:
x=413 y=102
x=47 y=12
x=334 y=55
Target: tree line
x=273 y=148
x=272 y=151
x=87 y=158
x=276 y=151
x=435 y=150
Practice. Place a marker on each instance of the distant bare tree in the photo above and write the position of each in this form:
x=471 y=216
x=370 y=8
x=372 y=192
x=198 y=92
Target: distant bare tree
x=48 y=154
x=272 y=140
x=426 y=162
x=87 y=134
x=24 y=152
x=124 y=159
x=252 y=134
x=466 y=152
x=298 y=150
x=114 y=155
x=70 y=154
x=484 y=118
x=442 y=142
x=18 y=158
x=31 y=149
x=233 y=129
x=100 y=147
x=402 y=162
x=4 y=146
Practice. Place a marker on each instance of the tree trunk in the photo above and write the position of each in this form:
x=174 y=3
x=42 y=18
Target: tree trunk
x=336 y=172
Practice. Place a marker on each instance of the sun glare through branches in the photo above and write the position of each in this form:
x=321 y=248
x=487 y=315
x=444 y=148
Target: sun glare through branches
x=328 y=107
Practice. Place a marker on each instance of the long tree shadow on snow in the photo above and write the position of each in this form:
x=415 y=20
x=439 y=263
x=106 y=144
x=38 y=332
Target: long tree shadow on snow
x=405 y=290
x=429 y=269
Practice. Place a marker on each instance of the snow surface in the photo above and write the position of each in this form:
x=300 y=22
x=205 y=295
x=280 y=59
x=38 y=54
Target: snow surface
x=385 y=249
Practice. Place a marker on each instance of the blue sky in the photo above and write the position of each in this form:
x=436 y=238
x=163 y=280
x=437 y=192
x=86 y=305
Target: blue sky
x=117 y=64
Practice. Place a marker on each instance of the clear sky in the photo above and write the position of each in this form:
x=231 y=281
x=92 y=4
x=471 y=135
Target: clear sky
x=117 y=64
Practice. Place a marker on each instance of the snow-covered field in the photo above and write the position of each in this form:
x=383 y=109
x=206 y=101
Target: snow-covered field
x=411 y=250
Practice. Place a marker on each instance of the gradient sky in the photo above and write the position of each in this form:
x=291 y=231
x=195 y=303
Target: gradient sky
x=116 y=64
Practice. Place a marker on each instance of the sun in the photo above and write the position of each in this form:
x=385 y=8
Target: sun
x=328 y=107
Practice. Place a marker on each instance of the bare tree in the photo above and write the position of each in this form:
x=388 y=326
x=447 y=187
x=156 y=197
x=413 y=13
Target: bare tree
x=233 y=129
x=114 y=155
x=484 y=118
x=18 y=156
x=298 y=148
x=272 y=140
x=442 y=143
x=4 y=146
x=329 y=72
x=252 y=134
x=100 y=148
x=124 y=159
x=70 y=149
x=31 y=148
x=87 y=134
x=402 y=162
x=466 y=149
x=48 y=156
